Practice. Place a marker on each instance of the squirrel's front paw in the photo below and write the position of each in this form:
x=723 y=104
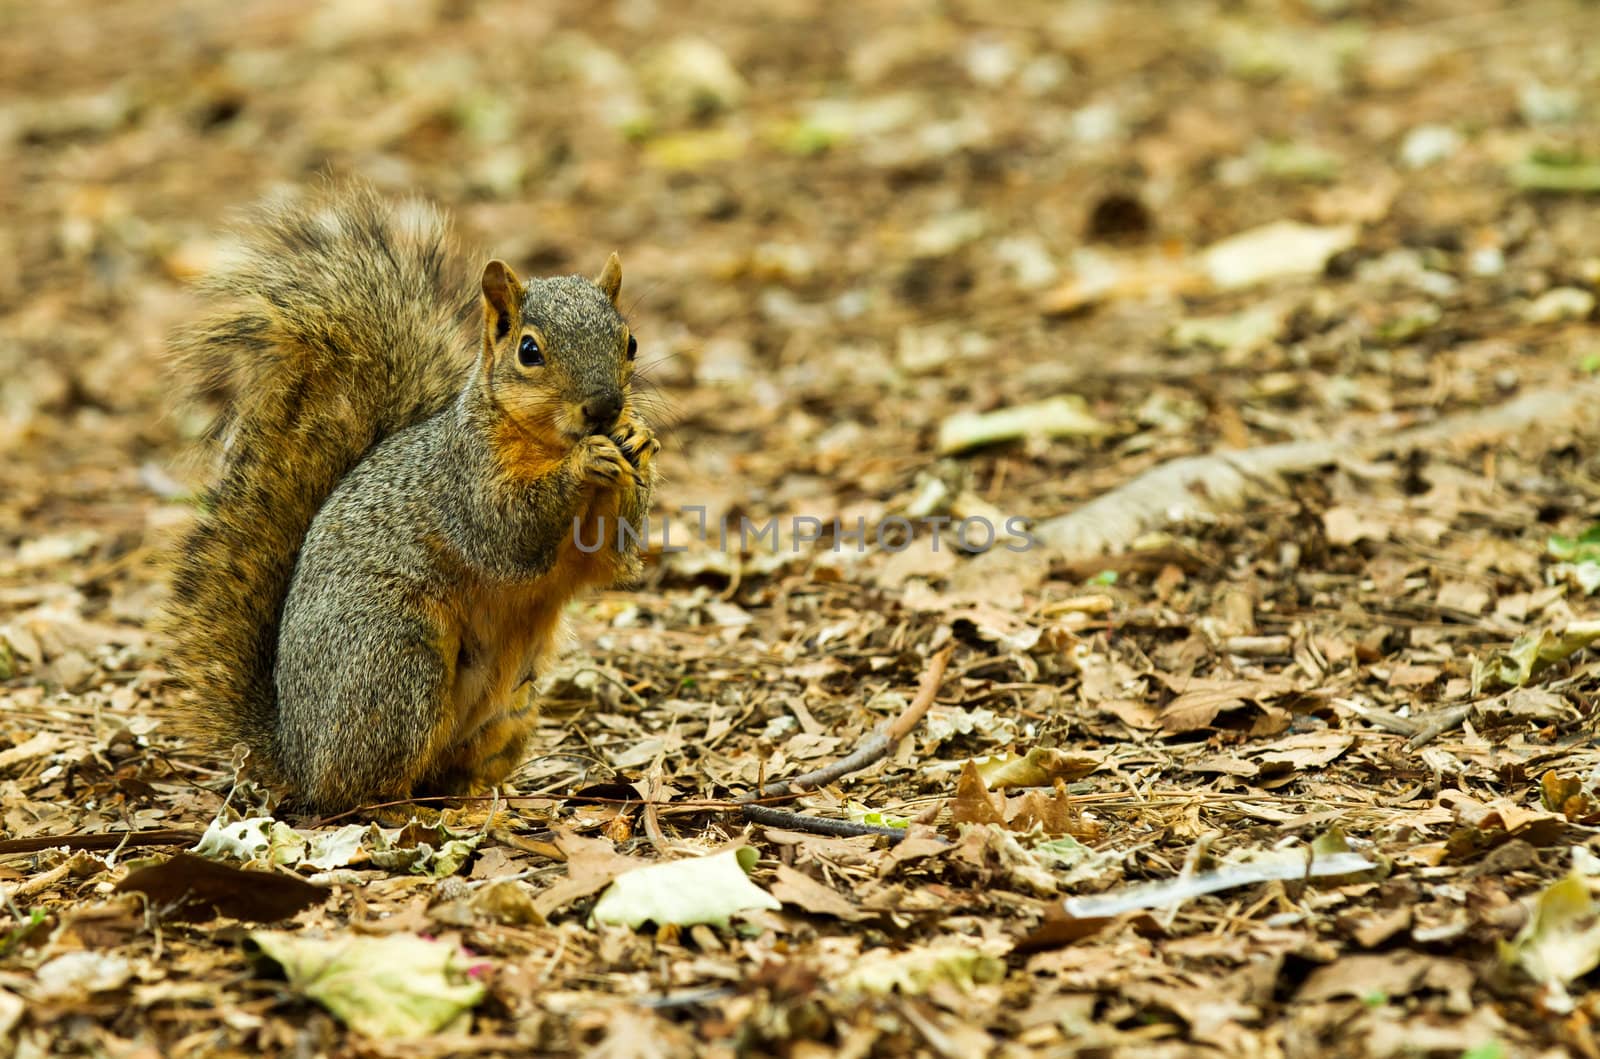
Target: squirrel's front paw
x=637 y=442
x=601 y=462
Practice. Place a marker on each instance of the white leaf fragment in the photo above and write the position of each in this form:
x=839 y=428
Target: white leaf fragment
x=1168 y=892
x=685 y=892
x=1283 y=248
x=1058 y=417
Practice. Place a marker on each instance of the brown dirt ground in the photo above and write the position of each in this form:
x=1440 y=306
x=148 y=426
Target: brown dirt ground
x=891 y=213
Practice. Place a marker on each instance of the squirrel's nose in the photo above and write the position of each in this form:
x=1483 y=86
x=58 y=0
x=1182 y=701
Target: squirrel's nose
x=600 y=413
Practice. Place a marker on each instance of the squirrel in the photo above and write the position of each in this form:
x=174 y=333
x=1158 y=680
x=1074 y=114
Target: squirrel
x=380 y=571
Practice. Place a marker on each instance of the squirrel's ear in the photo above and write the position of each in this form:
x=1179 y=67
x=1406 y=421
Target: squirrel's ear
x=502 y=298
x=610 y=279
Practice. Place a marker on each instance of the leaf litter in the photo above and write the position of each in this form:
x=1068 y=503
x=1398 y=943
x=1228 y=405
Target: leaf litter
x=1281 y=349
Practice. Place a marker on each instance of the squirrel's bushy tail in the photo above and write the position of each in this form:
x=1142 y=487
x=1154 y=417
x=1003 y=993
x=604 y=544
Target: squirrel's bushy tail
x=338 y=320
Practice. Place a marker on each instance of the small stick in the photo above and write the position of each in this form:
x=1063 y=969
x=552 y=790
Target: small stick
x=41 y=882
x=876 y=747
x=111 y=840
x=1439 y=725
x=652 y=816
x=878 y=744
x=767 y=816
x=1379 y=717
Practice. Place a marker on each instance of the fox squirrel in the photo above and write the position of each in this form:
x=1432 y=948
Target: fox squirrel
x=382 y=566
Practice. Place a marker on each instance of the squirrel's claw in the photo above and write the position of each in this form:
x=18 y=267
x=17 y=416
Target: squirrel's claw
x=603 y=463
x=637 y=442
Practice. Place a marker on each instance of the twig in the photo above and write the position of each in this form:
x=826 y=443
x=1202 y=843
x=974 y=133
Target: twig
x=37 y=884
x=767 y=816
x=1379 y=717
x=1439 y=724
x=878 y=744
x=686 y=997
x=652 y=815
x=110 y=840
x=873 y=749
x=615 y=681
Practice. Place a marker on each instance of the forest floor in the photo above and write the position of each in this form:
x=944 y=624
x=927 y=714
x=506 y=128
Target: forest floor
x=1338 y=705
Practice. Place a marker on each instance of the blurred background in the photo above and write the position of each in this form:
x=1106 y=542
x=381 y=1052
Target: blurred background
x=842 y=224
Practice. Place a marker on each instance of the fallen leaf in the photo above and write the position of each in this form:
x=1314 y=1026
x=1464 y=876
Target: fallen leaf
x=1584 y=548
x=396 y=985
x=43 y=744
x=1560 y=943
x=1099 y=278
x=1390 y=975
x=696 y=149
x=1282 y=248
x=508 y=901
x=1225 y=765
x=74 y=976
x=1135 y=713
x=1235 y=333
x=1556 y=174
x=423 y=849
x=1053 y=814
x=1307 y=750
x=335 y=849
x=1202 y=699
x=1531 y=655
x=1039 y=767
x=592 y=863
x=973 y=804
x=11 y=1009
x=913 y=973
x=189 y=887
x=1344 y=526
x=250 y=839
x=1465 y=596
x=796 y=888
x=684 y=892
x=1058 y=417
x=1408 y=675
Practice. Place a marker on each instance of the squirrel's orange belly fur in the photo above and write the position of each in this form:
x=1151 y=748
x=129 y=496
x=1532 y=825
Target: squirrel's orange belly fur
x=494 y=649
x=502 y=643
x=505 y=639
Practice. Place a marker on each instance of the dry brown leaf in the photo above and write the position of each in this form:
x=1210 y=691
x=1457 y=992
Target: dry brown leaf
x=1389 y=975
x=1052 y=814
x=1200 y=700
x=973 y=804
x=801 y=890
x=1039 y=767
x=185 y=886
x=592 y=863
x=1135 y=713
x=1306 y=750
x=1407 y=675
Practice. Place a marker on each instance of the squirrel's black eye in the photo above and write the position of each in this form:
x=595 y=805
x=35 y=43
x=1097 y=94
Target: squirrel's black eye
x=633 y=346
x=529 y=352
